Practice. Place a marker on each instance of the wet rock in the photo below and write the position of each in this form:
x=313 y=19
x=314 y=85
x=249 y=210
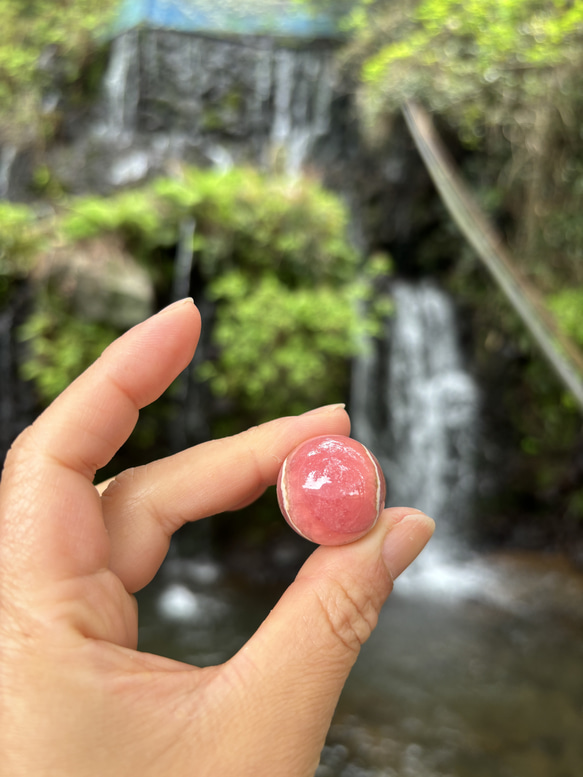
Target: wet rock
x=100 y=280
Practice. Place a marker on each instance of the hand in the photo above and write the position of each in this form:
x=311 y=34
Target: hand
x=76 y=698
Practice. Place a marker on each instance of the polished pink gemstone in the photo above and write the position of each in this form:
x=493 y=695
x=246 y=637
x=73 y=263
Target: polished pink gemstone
x=331 y=490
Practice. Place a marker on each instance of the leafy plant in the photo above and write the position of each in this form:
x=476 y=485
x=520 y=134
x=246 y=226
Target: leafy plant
x=35 y=35
x=282 y=349
x=273 y=256
x=503 y=78
x=60 y=347
x=567 y=305
x=21 y=236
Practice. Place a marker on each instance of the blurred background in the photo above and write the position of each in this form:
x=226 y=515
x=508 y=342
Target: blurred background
x=264 y=157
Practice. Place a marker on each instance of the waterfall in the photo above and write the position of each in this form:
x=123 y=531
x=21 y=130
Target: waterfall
x=416 y=406
x=8 y=156
x=169 y=95
x=121 y=87
x=302 y=99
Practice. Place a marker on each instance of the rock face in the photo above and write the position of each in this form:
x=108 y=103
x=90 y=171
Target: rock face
x=171 y=96
x=102 y=282
x=278 y=103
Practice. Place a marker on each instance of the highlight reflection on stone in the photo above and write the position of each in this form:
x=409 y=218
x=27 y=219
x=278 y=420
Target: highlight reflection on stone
x=331 y=490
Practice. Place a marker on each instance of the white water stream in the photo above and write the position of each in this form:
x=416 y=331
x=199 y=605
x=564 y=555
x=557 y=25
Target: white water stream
x=416 y=406
x=8 y=155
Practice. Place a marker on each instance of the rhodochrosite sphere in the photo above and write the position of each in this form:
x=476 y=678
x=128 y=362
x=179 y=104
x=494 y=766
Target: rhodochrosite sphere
x=331 y=490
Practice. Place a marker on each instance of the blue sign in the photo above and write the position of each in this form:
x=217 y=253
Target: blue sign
x=228 y=17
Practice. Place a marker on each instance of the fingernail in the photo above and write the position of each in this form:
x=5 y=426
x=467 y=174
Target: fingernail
x=326 y=409
x=177 y=304
x=405 y=541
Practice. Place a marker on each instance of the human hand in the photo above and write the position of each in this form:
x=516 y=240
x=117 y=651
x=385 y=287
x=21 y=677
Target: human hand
x=76 y=697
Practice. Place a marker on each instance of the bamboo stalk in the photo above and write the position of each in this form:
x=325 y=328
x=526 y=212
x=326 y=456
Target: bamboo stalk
x=561 y=353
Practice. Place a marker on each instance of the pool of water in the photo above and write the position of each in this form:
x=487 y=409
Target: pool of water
x=475 y=668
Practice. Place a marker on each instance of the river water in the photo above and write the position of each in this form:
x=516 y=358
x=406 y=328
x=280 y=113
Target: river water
x=474 y=670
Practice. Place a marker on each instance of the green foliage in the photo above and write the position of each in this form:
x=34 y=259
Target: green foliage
x=293 y=228
x=504 y=77
x=31 y=30
x=20 y=237
x=133 y=213
x=272 y=254
x=462 y=57
x=60 y=347
x=567 y=306
x=281 y=348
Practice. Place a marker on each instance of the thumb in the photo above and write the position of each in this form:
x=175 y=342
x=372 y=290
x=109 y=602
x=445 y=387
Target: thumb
x=295 y=666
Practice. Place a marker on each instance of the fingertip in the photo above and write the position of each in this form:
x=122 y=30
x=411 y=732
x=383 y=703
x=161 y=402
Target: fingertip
x=187 y=302
x=408 y=533
x=182 y=313
x=146 y=359
x=183 y=307
x=329 y=419
x=326 y=409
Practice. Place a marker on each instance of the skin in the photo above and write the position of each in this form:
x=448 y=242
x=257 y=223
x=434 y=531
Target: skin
x=76 y=698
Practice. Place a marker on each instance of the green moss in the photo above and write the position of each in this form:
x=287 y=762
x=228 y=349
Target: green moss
x=211 y=120
x=567 y=306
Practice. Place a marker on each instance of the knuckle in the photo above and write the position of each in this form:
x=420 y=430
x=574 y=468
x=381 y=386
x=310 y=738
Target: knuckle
x=254 y=444
x=351 y=613
x=20 y=445
x=20 y=457
x=116 y=492
x=123 y=479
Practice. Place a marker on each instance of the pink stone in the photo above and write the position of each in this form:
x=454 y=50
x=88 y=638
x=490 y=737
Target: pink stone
x=331 y=490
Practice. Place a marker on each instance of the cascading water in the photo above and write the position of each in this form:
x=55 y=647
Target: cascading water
x=168 y=95
x=8 y=156
x=302 y=99
x=416 y=406
x=121 y=86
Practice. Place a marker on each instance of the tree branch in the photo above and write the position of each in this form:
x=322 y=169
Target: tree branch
x=561 y=353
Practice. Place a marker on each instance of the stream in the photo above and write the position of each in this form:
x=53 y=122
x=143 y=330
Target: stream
x=474 y=670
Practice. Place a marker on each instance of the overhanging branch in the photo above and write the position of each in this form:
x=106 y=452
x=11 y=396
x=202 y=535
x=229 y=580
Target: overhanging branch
x=560 y=352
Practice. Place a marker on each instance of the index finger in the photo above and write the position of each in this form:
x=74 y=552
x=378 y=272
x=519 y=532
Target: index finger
x=144 y=506
x=50 y=513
